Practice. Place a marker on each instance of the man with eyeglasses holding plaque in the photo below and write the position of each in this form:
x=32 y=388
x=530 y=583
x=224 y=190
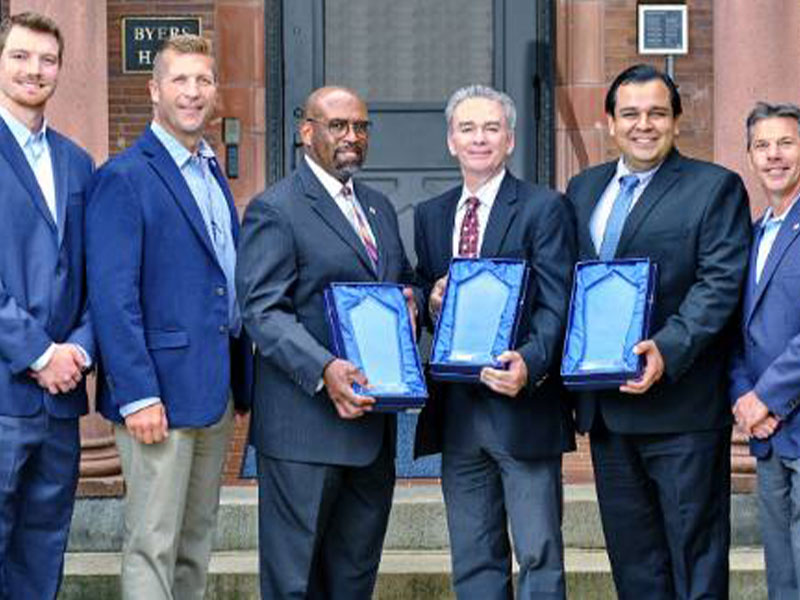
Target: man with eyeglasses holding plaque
x=325 y=459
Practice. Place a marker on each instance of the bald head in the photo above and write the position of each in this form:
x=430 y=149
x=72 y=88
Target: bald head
x=335 y=130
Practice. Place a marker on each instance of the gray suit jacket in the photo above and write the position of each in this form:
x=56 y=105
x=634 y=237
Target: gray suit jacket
x=294 y=242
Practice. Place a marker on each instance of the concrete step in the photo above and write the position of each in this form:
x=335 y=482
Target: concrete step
x=412 y=575
x=417 y=521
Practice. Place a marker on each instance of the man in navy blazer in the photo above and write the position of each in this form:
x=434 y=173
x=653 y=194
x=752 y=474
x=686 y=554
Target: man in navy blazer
x=161 y=237
x=325 y=460
x=502 y=439
x=46 y=340
x=765 y=370
x=661 y=443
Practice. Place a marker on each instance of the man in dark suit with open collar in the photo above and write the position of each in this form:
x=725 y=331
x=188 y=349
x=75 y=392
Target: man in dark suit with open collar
x=325 y=460
x=661 y=444
x=46 y=339
x=502 y=439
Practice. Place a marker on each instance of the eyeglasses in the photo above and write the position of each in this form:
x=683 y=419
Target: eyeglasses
x=339 y=127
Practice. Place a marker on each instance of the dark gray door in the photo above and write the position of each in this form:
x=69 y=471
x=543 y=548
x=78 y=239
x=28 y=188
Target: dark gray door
x=405 y=57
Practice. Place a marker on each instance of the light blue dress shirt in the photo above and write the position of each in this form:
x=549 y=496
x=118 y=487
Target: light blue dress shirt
x=771 y=226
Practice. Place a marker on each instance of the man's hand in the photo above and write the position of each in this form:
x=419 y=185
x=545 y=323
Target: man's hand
x=653 y=368
x=413 y=311
x=750 y=412
x=507 y=382
x=149 y=425
x=63 y=372
x=766 y=428
x=339 y=376
x=436 y=297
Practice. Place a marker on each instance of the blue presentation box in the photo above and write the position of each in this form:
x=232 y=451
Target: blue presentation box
x=609 y=313
x=481 y=309
x=371 y=328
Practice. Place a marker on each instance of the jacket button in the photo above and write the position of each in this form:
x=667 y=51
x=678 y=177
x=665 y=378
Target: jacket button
x=220 y=291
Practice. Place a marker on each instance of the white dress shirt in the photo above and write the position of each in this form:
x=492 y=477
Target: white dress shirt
x=485 y=195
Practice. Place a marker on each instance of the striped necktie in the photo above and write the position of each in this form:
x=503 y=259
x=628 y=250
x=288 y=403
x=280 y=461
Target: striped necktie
x=360 y=225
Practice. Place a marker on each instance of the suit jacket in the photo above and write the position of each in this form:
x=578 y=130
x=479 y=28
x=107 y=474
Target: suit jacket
x=693 y=221
x=158 y=292
x=526 y=222
x=767 y=356
x=295 y=241
x=42 y=285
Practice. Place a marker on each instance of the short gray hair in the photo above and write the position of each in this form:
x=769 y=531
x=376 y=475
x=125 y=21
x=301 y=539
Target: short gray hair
x=764 y=110
x=482 y=91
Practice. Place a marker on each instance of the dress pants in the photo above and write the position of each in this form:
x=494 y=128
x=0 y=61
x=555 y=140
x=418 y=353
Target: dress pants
x=665 y=506
x=483 y=491
x=321 y=527
x=39 y=458
x=779 y=511
x=171 y=502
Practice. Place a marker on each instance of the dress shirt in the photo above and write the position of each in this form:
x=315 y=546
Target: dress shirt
x=36 y=149
x=597 y=224
x=485 y=195
x=213 y=207
x=770 y=226
x=334 y=188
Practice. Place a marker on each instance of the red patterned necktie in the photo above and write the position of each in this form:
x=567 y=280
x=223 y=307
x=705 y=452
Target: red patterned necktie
x=360 y=223
x=468 y=240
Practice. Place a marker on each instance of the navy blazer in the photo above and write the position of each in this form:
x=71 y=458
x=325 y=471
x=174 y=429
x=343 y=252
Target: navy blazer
x=158 y=294
x=42 y=286
x=693 y=221
x=526 y=222
x=767 y=358
x=295 y=241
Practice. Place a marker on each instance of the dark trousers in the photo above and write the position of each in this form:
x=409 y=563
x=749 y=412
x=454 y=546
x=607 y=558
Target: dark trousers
x=39 y=458
x=321 y=527
x=487 y=490
x=665 y=506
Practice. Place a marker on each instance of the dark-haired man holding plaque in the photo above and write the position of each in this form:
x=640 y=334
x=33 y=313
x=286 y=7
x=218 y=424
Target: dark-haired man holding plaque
x=502 y=438
x=661 y=443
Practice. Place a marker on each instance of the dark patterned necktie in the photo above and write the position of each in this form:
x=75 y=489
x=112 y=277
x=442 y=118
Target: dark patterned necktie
x=468 y=239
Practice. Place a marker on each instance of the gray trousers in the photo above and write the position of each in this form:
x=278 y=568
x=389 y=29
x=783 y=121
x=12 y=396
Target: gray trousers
x=779 y=510
x=171 y=501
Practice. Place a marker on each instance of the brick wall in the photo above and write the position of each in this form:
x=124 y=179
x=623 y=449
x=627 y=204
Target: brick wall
x=596 y=40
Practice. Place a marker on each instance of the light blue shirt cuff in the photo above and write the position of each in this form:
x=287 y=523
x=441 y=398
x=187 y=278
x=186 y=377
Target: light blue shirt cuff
x=138 y=405
x=41 y=362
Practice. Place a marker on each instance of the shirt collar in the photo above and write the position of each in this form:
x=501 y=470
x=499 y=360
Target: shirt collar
x=644 y=176
x=332 y=185
x=486 y=193
x=179 y=153
x=18 y=129
x=768 y=218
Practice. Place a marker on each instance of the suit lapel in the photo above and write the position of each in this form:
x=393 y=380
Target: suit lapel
x=11 y=151
x=163 y=164
x=585 y=209
x=787 y=234
x=665 y=178
x=226 y=190
x=503 y=211
x=329 y=212
x=60 y=159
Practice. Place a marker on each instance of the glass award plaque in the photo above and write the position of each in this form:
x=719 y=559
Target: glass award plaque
x=479 y=318
x=609 y=314
x=371 y=328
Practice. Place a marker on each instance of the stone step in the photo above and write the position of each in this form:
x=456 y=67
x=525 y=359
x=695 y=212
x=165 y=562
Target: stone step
x=417 y=521
x=412 y=575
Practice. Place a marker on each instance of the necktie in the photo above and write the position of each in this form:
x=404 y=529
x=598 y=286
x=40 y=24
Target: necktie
x=616 y=220
x=361 y=227
x=468 y=237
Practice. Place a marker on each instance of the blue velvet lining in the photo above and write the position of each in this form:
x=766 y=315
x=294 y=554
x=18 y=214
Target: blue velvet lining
x=611 y=299
x=485 y=329
x=377 y=338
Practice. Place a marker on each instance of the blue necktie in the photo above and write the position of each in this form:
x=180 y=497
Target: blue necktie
x=616 y=220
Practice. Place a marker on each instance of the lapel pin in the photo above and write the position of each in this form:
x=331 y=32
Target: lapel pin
x=796 y=226
x=372 y=211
